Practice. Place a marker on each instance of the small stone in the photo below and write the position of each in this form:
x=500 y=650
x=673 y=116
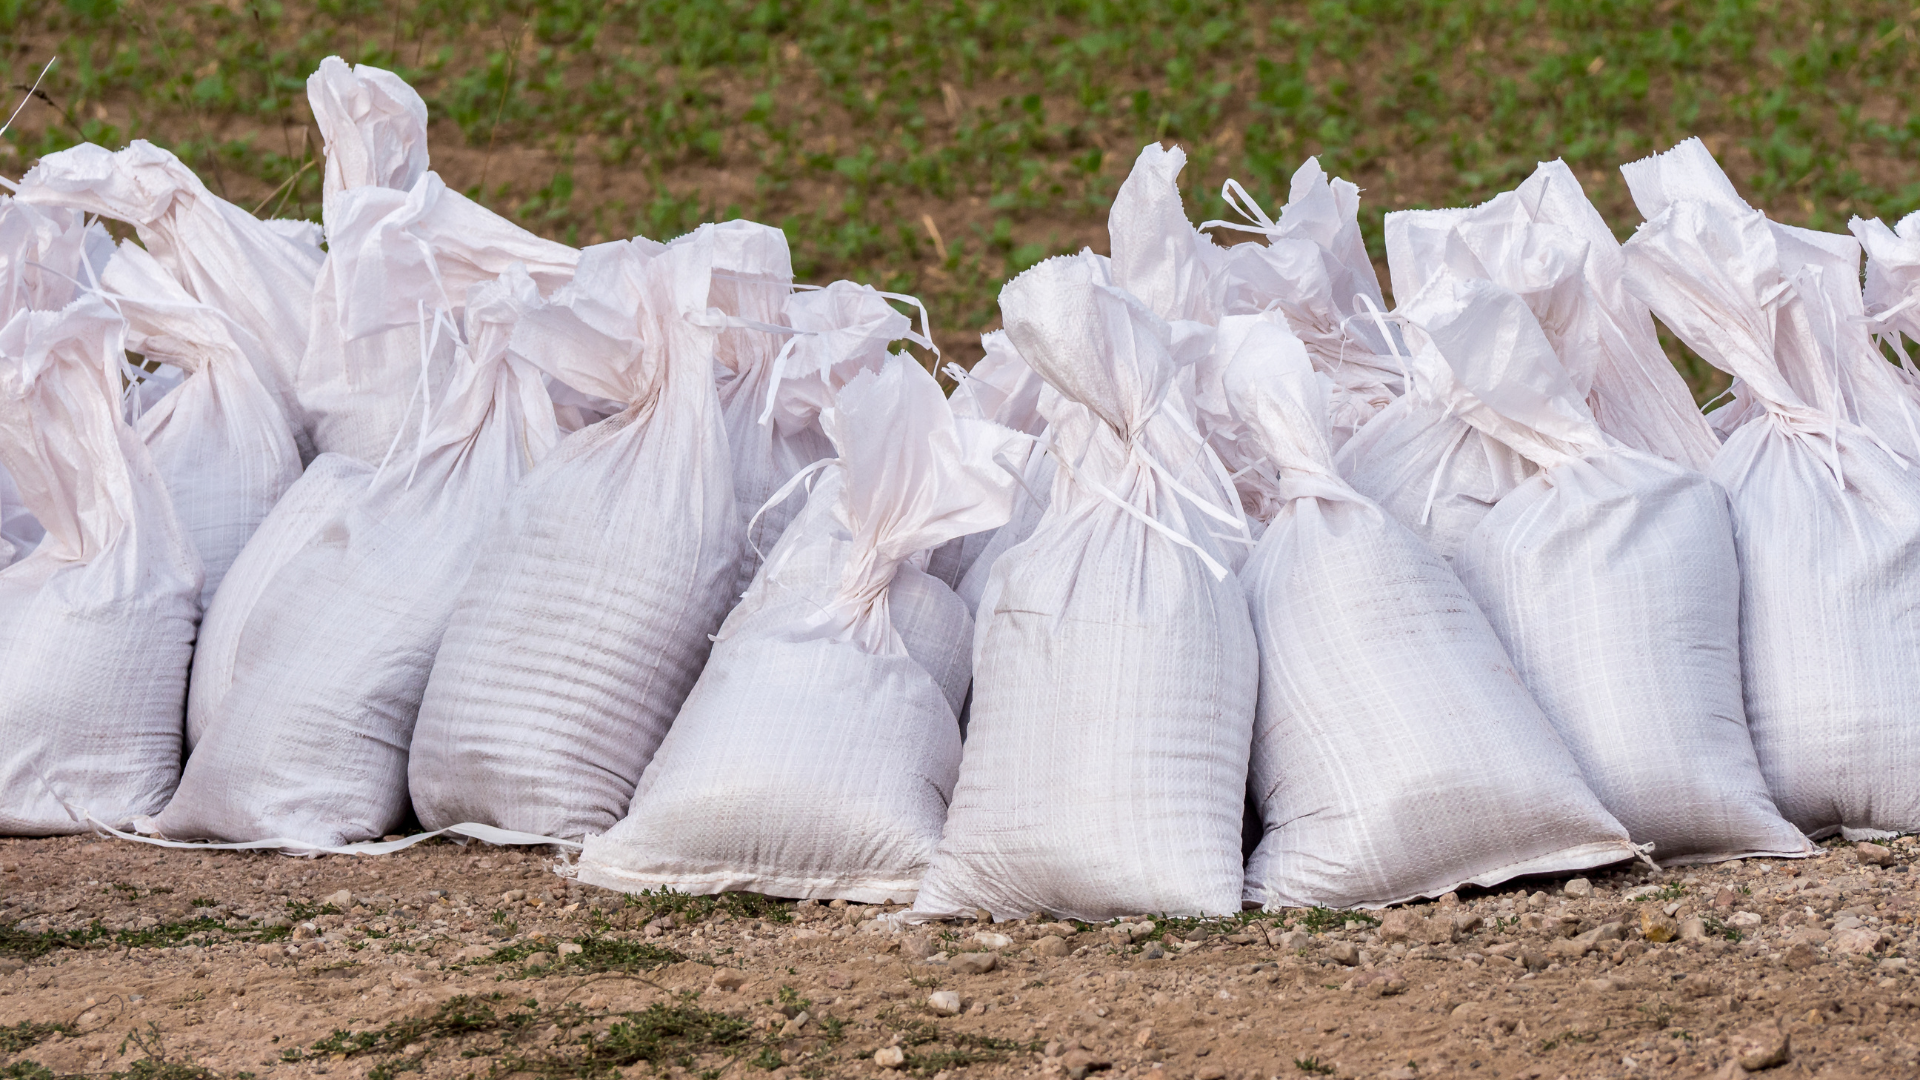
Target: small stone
x=1872 y=855
x=1050 y=946
x=974 y=963
x=569 y=948
x=1343 y=953
x=540 y=959
x=890 y=1057
x=342 y=899
x=1657 y=926
x=919 y=946
x=513 y=896
x=1209 y=1072
x=1799 y=957
x=403 y=980
x=1725 y=899
x=1143 y=1039
x=944 y=1002
x=276 y=922
x=796 y=1025
x=1533 y=959
x=992 y=940
x=474 y=952
x=1859 y=941
x=1078 y=1063
x=1465 y=922
x=1579 y=888
x=1693 y=928
x=1136 y=931
x=1762 y=1047
x=1153 y=951
x=728 y=980
x=1745 y=920
x=1599 y=986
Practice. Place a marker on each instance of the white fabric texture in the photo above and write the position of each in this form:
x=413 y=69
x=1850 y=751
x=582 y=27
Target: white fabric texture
x=1000 y=388
x=310 y=740
x=1314 y=270
x=1610 y=577
x=847 y=695
x=395 y=256
x=1396 y=753
x=1825 y=517
x=1546 y=243
x=219 y=440
x=96 y=626
x=586 y=620
x=1114 y=665
x=226 y=258
x=328 y=487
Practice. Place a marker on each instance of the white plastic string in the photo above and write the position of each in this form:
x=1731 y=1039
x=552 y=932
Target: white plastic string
x=1236 y=196
x=23 y=104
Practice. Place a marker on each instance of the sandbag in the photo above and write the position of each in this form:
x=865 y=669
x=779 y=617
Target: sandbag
x=1114 y=665
x=1825 y=517
x=586 y=619
x=1314 y=270
x=1546 y=243
x=1000 y=388
x=257 y=274
x=309 y=742
x=394 y=257
x=843 y=668
x=96 y=625
x=1396 y=753
x=220 y=442
x=1611 y=579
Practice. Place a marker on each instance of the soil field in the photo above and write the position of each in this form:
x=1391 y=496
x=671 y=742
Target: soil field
x=445 y=961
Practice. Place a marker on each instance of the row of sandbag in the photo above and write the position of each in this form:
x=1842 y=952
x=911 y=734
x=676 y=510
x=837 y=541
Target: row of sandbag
x=467 y=544
x=1456 y=593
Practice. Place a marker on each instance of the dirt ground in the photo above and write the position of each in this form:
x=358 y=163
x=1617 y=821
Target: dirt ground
x=476 y=961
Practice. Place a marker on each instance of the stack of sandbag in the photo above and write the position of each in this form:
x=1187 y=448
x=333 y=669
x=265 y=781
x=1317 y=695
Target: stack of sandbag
x=1001 y=389
x=1892 y=294
x=97 y=624
x=258 y=274
x=587 y=617
x=1115 y=668
x=309 y=741
x=218 y=438
x=1611 y=579
x=843 y=670
x=1826 y=514
x=1372 y=652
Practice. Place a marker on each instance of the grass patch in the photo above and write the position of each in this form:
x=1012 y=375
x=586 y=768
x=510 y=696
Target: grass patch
x=585 y=1043
x=853 y=124
x=930 y=1049
x=27 y=1033
x=596 y=954
x=687 y=910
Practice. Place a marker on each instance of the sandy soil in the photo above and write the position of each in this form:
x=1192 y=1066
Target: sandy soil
x=462 y=962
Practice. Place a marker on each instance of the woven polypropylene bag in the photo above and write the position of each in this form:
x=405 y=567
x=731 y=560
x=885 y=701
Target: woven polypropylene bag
x=1610 y=577
x=1114 y=665
x=256 y=273
x=220 y=442
x=96 y=626
x=310 y=740
x=586 y=621
x=1826 y=520
x=1396 y=753
x=843 y=668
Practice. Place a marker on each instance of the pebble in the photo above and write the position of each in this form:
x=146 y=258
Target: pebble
x=890 y=1057
x=1579 y=888
x=569 y=948
x=974 y=963
x=728 y=980
x=1657 y=926
x=944 y=1002
x=1872 y=855
x=342 y=899
x=1343 y=953
x=540 y=959
x=1762 y=1047
x=1153 y=951
x=1051 y=946
x=992 y=940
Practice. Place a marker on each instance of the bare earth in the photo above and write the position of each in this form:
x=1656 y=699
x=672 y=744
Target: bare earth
x=479 y=961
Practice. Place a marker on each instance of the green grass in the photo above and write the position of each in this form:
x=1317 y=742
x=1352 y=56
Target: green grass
x=1007 y=125
x=596 y=954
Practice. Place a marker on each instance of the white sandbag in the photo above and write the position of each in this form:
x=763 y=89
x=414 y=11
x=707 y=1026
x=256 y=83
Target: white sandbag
x=395 y=256
x=310 y=739
x=752 y=285
x=1892 y=293
x=373 y=127
x=586 y=619
x=1825 y=518
x=96 y=625
x=1545 y=242
x=1114 y=665
x=1610 y=577
x=20 y=531
x=838 y=332
x=1314 y=270
x=1002 y=389
x=843 y=669
x=1396 y=753
x=219 y=440
x=223 y=256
